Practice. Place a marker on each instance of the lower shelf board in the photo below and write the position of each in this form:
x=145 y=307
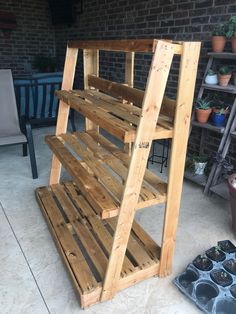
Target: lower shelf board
x=84 y=241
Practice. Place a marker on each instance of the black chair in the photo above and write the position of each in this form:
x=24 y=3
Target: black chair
x=162 y=158
x=13 y=132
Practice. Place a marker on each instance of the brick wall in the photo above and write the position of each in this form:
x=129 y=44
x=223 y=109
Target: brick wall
x=113 y=19
x=174 y=19
x=33 y=34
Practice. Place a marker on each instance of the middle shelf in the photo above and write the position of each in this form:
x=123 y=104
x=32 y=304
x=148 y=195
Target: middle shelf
x=100 y=168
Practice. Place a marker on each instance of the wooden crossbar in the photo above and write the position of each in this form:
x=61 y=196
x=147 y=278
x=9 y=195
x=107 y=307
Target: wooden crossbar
x=126 y=45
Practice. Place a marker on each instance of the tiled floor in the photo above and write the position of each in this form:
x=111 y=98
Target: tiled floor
x=32 y=277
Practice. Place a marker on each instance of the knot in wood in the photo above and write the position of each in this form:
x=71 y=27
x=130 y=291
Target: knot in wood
x=143 y=145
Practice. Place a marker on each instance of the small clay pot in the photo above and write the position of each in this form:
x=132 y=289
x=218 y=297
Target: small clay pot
x=203 y=115
x=224 y=79
x=233 y=43
x=234 y=77
x=218 y=43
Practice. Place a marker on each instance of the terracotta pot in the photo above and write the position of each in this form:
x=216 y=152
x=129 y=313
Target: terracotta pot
x=232 y=193
x=203 y=115
x=233 y=42
x=234 y=76
x=224 y=79
x=218 y=43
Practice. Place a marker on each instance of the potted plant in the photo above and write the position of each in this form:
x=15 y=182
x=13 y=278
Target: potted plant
x=224 y=75
x=218 y=38
x=219 y=112
x=197 y=164
x=230 y=31
x=232 y=193
x=203 y=109
x=211 y=77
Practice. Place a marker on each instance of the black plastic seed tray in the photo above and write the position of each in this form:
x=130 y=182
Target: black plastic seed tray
x=210 y=280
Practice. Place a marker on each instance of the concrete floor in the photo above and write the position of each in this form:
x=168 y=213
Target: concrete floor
x=32 y=277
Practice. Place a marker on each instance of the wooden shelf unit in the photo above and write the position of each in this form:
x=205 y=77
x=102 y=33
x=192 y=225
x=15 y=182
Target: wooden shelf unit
x=92 y=217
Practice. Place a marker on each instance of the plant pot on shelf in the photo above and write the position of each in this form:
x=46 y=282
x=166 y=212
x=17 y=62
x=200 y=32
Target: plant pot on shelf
x=218 y=43
x=234 y=78
x=232 y=193
x=233 y=43
x=224 y=79
x=199 y=167
x=202 y=115
x=218 y=119
x=211 y=78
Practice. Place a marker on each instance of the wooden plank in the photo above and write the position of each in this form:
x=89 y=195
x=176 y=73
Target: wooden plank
x=96 y=254
x=113 y=125
x=98 y=226
x=136 y=250
x=150 y=245
x=91 y=66
x=95 y=193
x=152 y=192
x=158 y=75
x=101 y=173
x=77 y=262
x=63 y=111
x=130 y=94
x=186 y=85
x=140 y=275
x=136 y=45
x=106 y=145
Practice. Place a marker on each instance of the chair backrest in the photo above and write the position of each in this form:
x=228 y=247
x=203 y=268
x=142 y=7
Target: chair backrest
x=9 y=121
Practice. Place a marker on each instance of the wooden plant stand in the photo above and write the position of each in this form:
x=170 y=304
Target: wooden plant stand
x=92 y=218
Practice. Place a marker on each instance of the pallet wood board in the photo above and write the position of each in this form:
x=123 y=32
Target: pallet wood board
x=85 y=241
x=101 y=170
x=119 y=119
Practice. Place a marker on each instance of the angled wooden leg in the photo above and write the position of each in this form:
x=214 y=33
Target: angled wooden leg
x=188 y=71
x=63 y=112
x=158 y=75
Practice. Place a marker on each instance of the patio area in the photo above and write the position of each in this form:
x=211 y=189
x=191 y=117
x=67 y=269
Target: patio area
x=33 y=278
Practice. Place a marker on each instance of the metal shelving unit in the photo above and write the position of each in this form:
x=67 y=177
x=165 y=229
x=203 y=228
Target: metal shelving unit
x=212 y=183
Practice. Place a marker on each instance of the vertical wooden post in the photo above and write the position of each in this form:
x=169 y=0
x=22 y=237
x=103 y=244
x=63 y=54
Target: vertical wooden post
x=64 y=109
x=158 y=75
x=91 y=66
x=186 y=85
x=129 y=80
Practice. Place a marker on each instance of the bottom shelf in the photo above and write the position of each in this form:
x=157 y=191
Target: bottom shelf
x=198 y=179
x=221 y=189
x=84 y=241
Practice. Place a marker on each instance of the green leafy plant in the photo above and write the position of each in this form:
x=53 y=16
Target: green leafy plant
x=224 y=70
x=211 y=72
x=219 y=30
x=44 y=63
x=203 y=103
x=230 y=27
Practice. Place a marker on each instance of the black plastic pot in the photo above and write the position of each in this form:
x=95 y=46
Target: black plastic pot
x=227 y=246
x=215 y=254
x=203 y=263
x=232 y=193
x=221 y=277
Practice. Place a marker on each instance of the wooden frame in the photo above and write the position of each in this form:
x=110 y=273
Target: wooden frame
x=130 y=254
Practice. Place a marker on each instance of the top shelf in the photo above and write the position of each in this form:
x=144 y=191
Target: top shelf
x=118 y=118
x=222 y=55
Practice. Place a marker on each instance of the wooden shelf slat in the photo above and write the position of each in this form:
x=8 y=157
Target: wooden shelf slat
x=100 y=171
x=87 y=249
x=119 y=119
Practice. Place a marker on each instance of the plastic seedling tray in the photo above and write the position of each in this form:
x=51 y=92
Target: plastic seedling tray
x=210 y=280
